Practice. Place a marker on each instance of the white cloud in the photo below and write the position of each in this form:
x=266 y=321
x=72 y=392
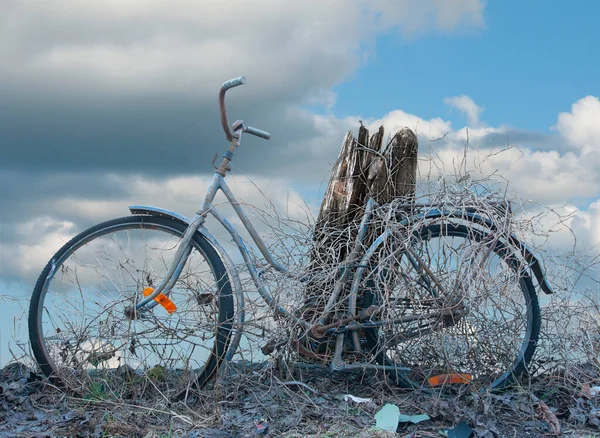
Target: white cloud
x=534 y=177
x=565 y=229
x=581 y=127
x=417 y=15
x=548 y=176
x=584 y=226
x=467 y=106
x=555 y=179
x=425 y=129
x=35 y=240
x=296 y=48
x=40 y=238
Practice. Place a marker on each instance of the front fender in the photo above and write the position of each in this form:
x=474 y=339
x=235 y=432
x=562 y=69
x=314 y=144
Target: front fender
x=486 y=222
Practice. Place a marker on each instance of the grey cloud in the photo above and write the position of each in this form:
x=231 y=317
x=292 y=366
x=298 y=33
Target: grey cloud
x=117 y=49
x=505 y=136
x=67 y=204
x=28 y=194
x=101 y=88
x=146 y=136
x=131 y=87
x=531 y=139
x=132 y=46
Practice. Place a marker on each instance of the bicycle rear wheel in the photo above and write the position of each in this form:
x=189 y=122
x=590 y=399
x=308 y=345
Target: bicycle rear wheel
x=81 y=327
x=475 y=326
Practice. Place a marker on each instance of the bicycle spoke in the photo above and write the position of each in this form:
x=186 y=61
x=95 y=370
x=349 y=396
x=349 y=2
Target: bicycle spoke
x=87 y=331
x=479 y=326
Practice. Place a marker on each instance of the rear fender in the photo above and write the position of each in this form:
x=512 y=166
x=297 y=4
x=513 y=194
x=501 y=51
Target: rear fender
x=532 y=260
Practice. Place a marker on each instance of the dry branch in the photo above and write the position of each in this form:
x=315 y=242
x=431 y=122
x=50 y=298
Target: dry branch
x=364 y=169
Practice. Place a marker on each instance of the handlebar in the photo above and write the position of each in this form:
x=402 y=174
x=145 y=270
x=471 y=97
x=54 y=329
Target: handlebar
x=236 y=82
x=258 y=132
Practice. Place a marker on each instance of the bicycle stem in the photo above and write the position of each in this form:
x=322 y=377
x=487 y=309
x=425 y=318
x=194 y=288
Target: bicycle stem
x=234 y=143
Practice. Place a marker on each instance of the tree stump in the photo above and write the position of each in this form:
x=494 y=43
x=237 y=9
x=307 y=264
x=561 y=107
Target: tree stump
x=364 y=169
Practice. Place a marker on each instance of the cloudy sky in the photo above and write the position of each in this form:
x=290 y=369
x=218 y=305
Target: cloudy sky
x=109 y=103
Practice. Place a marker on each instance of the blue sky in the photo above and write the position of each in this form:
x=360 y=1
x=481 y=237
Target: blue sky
x=531 y=61
x=113 y=103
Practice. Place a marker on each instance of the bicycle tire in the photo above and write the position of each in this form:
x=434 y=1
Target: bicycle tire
x=429 y=371
x=80 y=361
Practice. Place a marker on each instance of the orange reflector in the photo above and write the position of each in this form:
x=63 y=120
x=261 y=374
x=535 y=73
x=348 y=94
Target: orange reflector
x=443 y=379
x=162 y=299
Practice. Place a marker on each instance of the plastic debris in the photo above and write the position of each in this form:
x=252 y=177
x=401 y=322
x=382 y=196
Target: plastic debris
x=461 y=430
x=444 y=379
x=261 y=425
x=387 y=418
x=589 y=391
x=413 y=418
x=350 y=397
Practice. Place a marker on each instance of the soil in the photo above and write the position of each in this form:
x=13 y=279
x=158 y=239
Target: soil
x=253 y=400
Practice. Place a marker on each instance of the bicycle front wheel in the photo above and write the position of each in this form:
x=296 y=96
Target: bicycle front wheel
x=465 y=310
x=84 y=334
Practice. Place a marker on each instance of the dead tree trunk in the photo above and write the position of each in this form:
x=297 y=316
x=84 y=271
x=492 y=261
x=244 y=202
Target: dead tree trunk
x=365 y=168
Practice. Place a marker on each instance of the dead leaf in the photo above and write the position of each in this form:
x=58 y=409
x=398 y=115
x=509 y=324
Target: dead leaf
x=549 y=417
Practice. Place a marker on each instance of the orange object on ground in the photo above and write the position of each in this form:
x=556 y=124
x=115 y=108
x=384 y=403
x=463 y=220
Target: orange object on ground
x=443 y=379
x=162 y=299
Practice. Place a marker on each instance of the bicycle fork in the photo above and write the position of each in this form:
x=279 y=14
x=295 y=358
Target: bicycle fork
x=184 y=249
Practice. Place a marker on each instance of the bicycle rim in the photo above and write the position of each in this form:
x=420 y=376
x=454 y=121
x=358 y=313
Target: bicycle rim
x=80 y=326
x=475 y=326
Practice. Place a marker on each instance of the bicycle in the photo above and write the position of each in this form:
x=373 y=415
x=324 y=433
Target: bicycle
x=151 y=298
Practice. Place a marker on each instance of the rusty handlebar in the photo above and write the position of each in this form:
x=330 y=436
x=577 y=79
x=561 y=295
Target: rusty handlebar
x=236 y=82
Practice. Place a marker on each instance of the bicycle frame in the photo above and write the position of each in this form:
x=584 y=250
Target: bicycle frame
x=197 y=224
x=420 y=303
x=357 y=255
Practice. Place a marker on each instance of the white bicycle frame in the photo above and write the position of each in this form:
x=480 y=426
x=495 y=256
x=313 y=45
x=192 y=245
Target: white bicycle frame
x=358 y=257
x=197 y=225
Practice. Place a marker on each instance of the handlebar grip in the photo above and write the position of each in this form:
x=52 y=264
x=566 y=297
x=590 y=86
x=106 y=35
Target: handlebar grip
x=234 y=83
x=258 y=132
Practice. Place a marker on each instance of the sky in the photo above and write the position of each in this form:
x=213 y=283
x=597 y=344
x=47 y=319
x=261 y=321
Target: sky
x=107 y=103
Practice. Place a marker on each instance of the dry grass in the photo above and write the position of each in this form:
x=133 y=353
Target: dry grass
x=297 y=397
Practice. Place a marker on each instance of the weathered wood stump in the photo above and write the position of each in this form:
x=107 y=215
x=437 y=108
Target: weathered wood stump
x=365 y=168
